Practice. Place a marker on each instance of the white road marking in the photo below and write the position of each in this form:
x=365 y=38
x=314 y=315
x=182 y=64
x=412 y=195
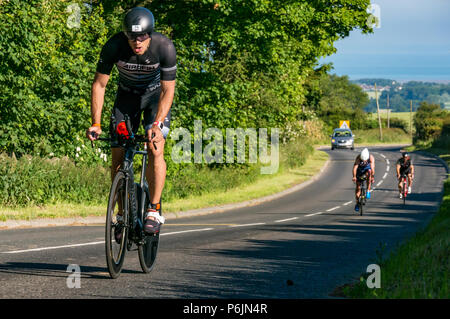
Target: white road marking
x=383 y=156
x=186 y=231
x=379 y=183
x=387 y=161
x=387 y=168
x=285 y=220
x=91 y=243
x=54 y=247
x=384 y=176
x=313 y=214
x=348 y=203
x=334 y=208
x=244 y=225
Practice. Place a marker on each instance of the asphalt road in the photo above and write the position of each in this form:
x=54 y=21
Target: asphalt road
x=302 y=245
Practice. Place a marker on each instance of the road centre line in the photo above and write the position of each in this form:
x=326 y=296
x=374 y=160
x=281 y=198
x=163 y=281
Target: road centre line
x=348 y=203
x=334 y=208
x=379 y=183
x=285 y=220
x=387 y=168
x=51 y=248
x=384 y=176
x=165 y=225
x=186 y=231
x=313 y=214
x=92 y=243
x=382 y=155
x=387 y=161
x=244 y=225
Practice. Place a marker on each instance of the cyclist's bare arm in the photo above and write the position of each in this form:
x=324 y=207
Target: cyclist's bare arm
x=372 y=165
x=355 y=168
x=97 y=99
x=98 y=96
x=164 y=105
x=165 y=100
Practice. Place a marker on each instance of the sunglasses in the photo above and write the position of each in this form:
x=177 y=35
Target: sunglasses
x=137 y=36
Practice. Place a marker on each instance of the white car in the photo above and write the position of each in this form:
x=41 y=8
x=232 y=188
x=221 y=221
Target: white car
x=342 y=138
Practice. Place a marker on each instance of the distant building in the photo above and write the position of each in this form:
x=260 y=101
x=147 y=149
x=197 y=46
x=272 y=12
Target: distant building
x=370 y=90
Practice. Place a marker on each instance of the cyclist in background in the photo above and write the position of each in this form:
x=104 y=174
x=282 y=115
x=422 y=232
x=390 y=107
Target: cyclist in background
x=404 y=166
x=364 y=165
x=146 y=61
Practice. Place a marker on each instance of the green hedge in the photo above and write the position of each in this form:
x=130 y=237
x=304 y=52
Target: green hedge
x=29 y=181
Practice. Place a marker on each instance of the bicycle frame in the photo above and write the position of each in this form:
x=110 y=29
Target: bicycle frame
x=128 y=169
x=404 y=179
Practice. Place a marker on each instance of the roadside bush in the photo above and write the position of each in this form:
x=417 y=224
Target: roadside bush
x=429 y=121
x=31 y=181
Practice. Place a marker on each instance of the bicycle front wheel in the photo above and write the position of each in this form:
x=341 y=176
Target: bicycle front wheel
x=116 y=232
x=405 y=190
x=148 y=250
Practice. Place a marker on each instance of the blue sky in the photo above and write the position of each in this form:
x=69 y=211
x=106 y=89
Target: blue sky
x=412 y=43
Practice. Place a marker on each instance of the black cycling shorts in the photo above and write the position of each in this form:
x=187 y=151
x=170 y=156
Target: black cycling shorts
x=405 y=171
x=134 y=105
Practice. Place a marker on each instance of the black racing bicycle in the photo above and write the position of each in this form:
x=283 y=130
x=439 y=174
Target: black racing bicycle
x=362 y=196
x=127 y=203
x=404 y=179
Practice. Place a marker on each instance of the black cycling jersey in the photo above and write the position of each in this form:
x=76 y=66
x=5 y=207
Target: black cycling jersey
x=405 y=166
x=142 y=72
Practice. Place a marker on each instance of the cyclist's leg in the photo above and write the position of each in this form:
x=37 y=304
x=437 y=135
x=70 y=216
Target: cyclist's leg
x=400 y=181
x=369 y=179
x=156 y=166
x=409 y=182
x=156 y=169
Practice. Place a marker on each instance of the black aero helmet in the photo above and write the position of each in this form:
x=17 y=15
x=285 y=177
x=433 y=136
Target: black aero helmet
x=138 y=21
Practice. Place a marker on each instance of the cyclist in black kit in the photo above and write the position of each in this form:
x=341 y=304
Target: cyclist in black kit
x=404 y=166
x=146 y=61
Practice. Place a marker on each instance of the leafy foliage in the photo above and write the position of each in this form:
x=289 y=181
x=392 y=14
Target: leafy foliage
x=334 y=98
x=428 y=120
x=241 y=63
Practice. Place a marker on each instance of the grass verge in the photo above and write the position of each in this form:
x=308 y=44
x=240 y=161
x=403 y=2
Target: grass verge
x=419 y=267
x=263 y=186
x=390 y=136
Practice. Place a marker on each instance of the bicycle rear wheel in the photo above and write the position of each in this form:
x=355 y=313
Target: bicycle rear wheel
x=148 y=250
x=115 y=250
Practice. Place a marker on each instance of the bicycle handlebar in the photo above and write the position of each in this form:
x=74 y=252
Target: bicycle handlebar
x=134 y=138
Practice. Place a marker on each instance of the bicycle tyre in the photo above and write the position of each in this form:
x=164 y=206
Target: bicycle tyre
x=405 y=190
x=115 y=264
x=147 y=252
x=362 y=198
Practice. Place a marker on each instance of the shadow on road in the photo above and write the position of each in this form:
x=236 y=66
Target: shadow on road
x=54 y=270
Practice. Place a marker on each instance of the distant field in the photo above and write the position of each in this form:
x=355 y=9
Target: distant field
x=400 y=115
x=404 y=116
x=372 y=136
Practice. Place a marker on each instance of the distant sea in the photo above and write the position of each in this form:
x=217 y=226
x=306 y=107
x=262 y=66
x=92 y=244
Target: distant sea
x=400 y=74
x=402 y=68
